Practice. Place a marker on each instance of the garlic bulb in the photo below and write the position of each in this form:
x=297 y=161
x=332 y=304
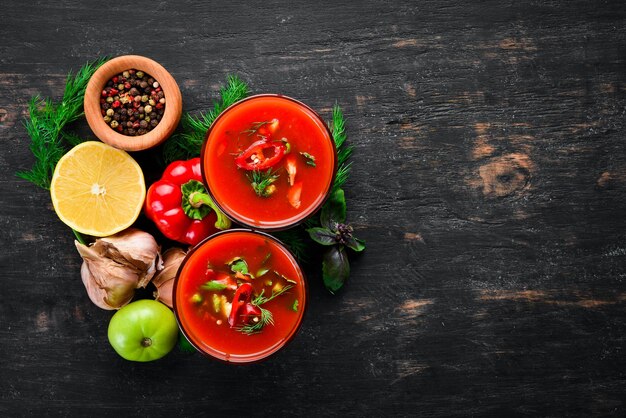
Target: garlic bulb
x=113 y=267
x=164 y=280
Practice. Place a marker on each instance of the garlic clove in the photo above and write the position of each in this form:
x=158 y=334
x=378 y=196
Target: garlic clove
x=164 y=280
x=110 y=285
x=137 y=249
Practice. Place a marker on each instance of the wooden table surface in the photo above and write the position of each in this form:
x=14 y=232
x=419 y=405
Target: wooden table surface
x=489 y=183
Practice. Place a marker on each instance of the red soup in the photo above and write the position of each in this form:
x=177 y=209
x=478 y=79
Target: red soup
x=239 y=296
x=269 y=161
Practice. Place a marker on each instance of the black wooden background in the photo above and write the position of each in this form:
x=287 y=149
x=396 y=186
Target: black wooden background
x=489 y=179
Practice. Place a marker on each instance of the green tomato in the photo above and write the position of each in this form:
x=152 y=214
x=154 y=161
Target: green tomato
x=144 y=330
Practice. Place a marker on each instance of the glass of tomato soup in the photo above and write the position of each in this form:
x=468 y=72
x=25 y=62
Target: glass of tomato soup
x=239 y=296
x=269 y=161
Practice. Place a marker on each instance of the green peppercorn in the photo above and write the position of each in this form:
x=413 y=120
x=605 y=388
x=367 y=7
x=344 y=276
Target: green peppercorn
x=120 y=86
x=126 y=74
x=139 y=74
x=147 y=109
x=114 y=124
x=151 y=102
x=144 y=98
x=109 y=99
x=110 y=112
x=147 y=118
x=107 y=119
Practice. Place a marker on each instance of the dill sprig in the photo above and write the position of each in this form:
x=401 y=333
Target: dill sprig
x=266 y=319
x=188 y=143
x=262 y=300
x=261 y=181
x=47 y=120
x=296 y=240
x=266 y=316
x=338 y=129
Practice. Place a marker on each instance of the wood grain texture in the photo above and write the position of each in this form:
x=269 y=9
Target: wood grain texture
x=489 y=181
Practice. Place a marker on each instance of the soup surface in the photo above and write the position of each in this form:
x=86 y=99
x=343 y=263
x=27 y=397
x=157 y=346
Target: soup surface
x=269 y=161
x=240 y=296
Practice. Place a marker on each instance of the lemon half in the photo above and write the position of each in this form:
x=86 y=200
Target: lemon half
x=97 y=190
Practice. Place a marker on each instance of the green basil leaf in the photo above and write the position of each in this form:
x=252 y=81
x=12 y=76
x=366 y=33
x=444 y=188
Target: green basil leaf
x=335 y=268
x=355 y=244
x=238 y=264
x=213 y=285
x=334 y=210
x=322 y=236
x=262 y=271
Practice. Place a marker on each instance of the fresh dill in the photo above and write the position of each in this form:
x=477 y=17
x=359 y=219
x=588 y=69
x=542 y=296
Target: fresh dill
x=266 y=316
x=255 y=127
x=254 y=328
x=296 y=240
x=47 y=119
x=188 y=143
x=262 y=300
x=261 y=181
x=338 y=129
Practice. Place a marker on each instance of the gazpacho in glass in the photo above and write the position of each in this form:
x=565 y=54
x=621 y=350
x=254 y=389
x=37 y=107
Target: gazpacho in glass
x=239 y=296
x=269 y=161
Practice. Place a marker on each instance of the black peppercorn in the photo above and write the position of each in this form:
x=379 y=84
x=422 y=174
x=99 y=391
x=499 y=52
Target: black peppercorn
x=131 y=104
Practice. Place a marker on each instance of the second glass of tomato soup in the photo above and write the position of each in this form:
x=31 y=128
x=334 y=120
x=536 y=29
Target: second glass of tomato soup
x=239 y=296
x=269 y=161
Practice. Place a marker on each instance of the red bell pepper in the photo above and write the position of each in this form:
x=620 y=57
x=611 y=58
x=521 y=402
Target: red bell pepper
x=253 y=158
x=180 y=206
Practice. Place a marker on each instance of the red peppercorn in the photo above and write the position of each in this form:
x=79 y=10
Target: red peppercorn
x=159 y=106
x=115 y=79
x=104 y=92
x=127 y=85
x=119 y=128
x=116 y=104
x=157 y=89
x=113 y=92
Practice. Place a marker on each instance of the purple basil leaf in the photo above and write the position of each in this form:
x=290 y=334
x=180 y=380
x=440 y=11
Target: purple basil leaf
x=355 y=244
x=322 y=236
x=335 y=268
x=334 y=210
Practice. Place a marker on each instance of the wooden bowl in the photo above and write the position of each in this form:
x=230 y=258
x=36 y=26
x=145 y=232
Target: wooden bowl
x=173 y=104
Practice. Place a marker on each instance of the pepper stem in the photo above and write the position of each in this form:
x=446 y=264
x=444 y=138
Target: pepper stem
x=197 y=204
x=197 y=199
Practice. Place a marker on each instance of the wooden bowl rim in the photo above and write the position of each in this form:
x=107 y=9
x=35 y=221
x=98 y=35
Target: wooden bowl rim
x=171 y=116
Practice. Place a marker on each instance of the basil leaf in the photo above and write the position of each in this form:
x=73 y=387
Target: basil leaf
x=355 y=244
x=322 y=236
x=262 y=271
x=335 y=268
x=334 y=210
x=238 y=264
x=213 y=285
